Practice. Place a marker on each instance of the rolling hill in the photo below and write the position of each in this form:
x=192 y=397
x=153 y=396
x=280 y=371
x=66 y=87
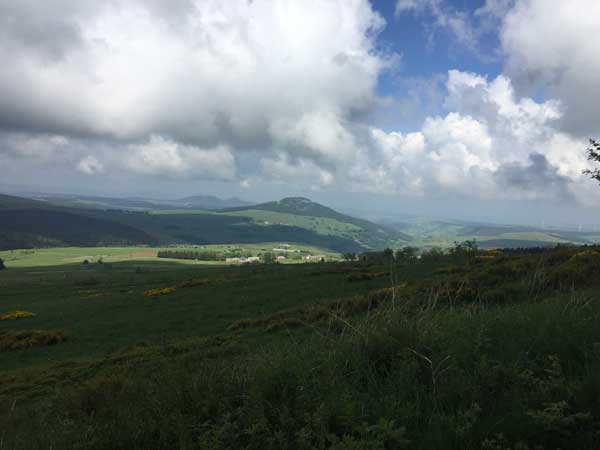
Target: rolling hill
x=29 y=223
x=206 y=202
x=443 y=233
x=307 y=214
x=50 y=221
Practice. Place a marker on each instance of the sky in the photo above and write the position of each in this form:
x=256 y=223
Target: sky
x=472 y=109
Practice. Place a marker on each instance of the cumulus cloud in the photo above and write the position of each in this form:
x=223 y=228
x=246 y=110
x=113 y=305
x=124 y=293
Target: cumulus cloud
x=554 y=44
x=491 y=144
x=537 y=174
x=167 y=158
x=279 y=91
x=40 y=147
x=90 y=165
x=257 y=76
x=282 y=169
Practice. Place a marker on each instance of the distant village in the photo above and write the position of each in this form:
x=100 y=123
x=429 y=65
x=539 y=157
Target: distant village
x=280 y=254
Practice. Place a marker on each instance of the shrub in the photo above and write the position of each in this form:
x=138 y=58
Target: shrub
x=283 y=324
x=18 y=314
x=2 y=266
x=196 y=282
x=90 y=281
x=579 y=270
x=17 y=340
x=366 y=276
x=159 y=291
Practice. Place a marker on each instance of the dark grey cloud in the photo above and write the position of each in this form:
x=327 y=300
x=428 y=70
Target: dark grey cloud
x=45 y=30
x=537 y=176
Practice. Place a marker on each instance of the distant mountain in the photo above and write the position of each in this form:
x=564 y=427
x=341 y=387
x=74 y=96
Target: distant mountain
x=207 y=202
x=92 y=221
x=99 y=202
x=28 y=223
x=211 y=202
x=367 y=234
x=12 y=202
x=431 y=232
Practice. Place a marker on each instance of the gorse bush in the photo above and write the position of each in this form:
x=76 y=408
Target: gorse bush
x=580 y=269
x=17 y=340
x=517 y=278
x=18 y=314
x=157 y=292
x=366 y=276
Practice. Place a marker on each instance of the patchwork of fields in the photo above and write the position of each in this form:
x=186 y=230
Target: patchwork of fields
x=76 y=255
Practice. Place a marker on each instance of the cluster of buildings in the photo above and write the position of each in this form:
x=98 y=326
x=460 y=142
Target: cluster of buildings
x=243 y=260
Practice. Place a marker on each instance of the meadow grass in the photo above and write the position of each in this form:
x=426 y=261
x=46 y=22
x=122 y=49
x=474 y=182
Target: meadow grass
x=495 y=354
x=102 y=307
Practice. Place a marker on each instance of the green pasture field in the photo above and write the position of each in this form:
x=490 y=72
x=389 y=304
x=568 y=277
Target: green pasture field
x=102 y=307
x=75 y=255
x=472 y=352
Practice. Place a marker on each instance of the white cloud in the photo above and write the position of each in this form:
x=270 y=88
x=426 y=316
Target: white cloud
x=167 y=158
x=554 y=44
x=264 y=76
x=321 y=135
x=277 y=91
x=301 y=171
x=90 y=165
x=39 y=147
x=489 y=139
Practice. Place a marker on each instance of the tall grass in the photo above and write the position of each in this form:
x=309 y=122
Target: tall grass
x=502 y=355
x=422 y=376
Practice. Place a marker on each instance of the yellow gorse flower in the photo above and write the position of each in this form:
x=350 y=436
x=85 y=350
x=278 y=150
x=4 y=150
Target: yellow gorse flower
x=159 y=291
x=18 y=314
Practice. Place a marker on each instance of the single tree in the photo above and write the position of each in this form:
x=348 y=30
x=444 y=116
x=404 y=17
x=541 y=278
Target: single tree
x=350 y=256
x=388 y=254
x=269 y=258
x=593 y=154
x=2 y=266
x=406 y=254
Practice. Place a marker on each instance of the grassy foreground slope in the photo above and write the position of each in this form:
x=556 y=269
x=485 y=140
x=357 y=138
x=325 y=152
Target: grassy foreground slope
x=499 y=351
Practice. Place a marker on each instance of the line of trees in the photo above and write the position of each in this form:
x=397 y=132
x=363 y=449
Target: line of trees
x=189 y=254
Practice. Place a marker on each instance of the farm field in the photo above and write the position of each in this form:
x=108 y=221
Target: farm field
x=75 y=255
x=429 y=233
x=102 y=308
